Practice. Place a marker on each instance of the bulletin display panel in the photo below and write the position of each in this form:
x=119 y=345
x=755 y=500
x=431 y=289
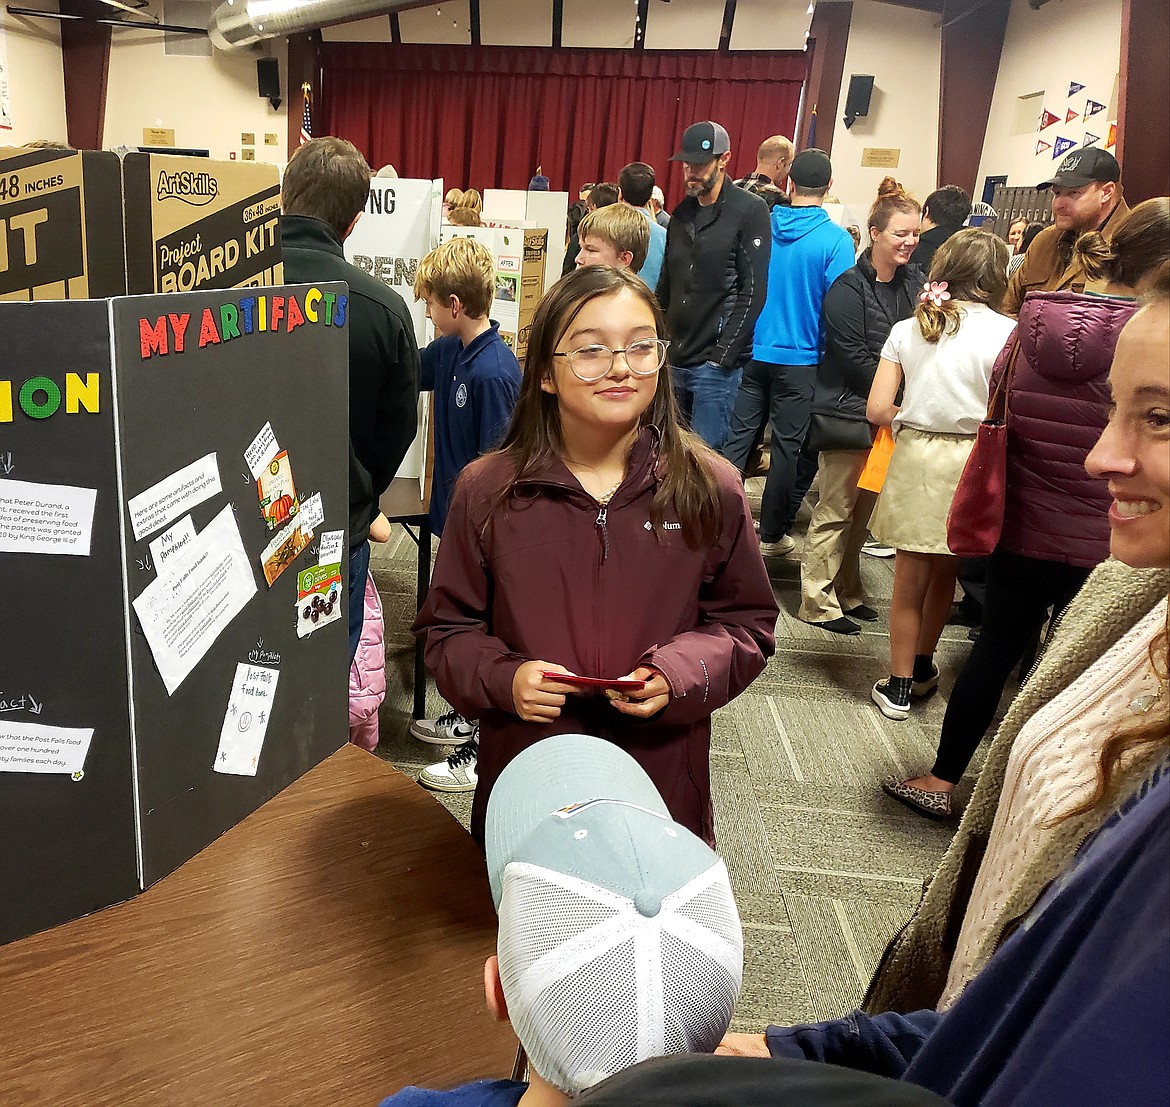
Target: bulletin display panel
x=67 y=835
x=234 y=417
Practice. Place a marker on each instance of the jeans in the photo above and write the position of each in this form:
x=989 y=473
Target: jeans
x=706 y=394
x=359 y=570
x=1020 y=590
x=783 y=394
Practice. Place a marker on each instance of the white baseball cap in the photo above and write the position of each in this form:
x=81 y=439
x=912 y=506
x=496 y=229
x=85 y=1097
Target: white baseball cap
x=619 y=937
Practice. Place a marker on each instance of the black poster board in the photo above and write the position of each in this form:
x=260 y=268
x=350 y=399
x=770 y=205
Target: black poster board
x=82 y=650
x=175 y=409
x=66 y=846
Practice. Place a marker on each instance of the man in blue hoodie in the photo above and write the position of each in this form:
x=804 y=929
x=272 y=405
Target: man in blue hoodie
x=809 y=252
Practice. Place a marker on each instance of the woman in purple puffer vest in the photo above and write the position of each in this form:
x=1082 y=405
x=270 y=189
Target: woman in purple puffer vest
x=1056 y=526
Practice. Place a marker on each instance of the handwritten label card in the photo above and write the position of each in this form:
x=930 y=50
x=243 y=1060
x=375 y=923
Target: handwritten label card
x=241 y=738
x=172 y=541
x=262 y=451
x=312 y=512
x=329 y=552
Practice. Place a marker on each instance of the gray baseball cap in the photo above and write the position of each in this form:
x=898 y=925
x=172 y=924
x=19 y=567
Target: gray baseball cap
x=702 y=142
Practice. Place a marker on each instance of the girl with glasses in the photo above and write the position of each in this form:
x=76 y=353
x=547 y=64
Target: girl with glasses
x=601 y=540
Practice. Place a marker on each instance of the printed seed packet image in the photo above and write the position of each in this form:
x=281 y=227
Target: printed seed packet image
x=282 y=551
x=319 y=598
x=278 y=493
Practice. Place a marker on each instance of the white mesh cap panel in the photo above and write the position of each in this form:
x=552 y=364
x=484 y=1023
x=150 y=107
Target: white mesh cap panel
x=593 y=986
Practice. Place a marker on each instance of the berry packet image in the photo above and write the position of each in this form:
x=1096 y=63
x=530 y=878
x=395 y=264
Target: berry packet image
x=283 y=550
x=319 y=598
x=278 y=492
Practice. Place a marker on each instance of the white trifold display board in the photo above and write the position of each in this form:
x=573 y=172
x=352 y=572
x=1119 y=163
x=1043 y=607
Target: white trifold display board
x=533 y=209
x=399 y=226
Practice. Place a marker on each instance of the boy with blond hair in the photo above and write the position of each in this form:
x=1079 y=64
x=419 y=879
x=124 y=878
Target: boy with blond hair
x=616 y=235
x=475 y=379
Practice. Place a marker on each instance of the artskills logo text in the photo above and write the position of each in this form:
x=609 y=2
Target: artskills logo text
x=192 y=188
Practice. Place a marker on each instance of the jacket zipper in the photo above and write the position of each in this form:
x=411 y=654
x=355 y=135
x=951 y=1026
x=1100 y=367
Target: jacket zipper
x=600 y=523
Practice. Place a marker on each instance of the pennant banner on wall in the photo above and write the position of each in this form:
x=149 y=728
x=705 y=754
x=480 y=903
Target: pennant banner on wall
x=1071 y=114
x=1041 y=146
x=1047 y=119
x=1090 y=139
x=1062 y=147
x=1092 y=108
x=1112 y=139
x=1074 y=88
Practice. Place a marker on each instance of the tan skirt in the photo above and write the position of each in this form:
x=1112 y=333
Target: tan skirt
x=911 y=512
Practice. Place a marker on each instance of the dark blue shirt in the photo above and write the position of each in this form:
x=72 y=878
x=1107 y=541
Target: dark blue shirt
x=481 y=1093
x=475 y=390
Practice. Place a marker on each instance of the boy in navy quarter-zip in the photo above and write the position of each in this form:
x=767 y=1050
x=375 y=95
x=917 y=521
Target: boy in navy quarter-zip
x=473 y=373
x=475 y=378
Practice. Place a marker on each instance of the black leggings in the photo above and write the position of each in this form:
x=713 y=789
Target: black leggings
x=1020 y=590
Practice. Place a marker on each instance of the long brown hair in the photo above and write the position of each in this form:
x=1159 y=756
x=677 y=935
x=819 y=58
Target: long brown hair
x=1140 y=244
x=1153 y=729
x=534 y=437
x=973 y=263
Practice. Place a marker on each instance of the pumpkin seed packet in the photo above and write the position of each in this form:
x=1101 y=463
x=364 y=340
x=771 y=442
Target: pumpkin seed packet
x=278 y=492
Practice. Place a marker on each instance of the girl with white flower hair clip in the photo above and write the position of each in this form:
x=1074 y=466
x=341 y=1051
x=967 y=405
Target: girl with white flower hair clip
x=931 y=387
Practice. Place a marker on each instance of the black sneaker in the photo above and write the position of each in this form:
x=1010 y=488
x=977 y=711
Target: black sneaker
x=920 y=689
x=890 y=703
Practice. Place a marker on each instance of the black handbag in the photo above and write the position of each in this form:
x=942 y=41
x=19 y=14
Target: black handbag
x=832 y=432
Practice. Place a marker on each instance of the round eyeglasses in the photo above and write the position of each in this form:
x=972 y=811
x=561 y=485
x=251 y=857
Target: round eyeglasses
x=590 y=363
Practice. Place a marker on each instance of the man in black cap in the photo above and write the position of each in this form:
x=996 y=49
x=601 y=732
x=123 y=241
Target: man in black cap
x=1086 y=196
x=714 y=281
x=809 y=252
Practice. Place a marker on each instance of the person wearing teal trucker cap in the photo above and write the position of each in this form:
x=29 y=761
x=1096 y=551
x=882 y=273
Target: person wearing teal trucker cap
x=619 y=938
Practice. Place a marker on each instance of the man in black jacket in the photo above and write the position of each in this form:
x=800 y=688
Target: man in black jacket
x=945 y=211
x=714 y=281
x=325 y=188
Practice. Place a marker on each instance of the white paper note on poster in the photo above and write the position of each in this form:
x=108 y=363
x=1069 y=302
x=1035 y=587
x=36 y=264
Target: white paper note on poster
x=176 y=495
x=32 y=748
x=312 y=512
x=241 y=738
x=45 y=518
x=262 y=450
x=170 y=542
x=330 y=549
x=204 y=587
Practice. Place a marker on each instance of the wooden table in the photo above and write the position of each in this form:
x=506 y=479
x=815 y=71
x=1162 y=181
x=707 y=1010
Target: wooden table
x=401 y=503
x=327 y=950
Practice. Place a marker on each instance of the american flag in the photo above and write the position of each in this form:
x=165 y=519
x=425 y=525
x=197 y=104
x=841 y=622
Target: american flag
x=307 y=117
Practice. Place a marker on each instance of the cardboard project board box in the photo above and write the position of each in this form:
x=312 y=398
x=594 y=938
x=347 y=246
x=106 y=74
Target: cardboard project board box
x=60 y=225
x=192 y=223
x=520 y=256
x=533 y=209
x=173 y=514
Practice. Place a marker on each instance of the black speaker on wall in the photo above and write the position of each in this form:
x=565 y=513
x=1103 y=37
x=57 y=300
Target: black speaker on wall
x=268 y=80
x=857 y=100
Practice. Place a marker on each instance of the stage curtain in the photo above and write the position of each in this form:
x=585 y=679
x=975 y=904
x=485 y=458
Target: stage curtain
x=486 y=117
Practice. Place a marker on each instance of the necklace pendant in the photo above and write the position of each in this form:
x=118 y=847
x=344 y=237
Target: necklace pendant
x=1139 y=705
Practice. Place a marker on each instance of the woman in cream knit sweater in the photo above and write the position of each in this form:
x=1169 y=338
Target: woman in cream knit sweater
x=1088 y=728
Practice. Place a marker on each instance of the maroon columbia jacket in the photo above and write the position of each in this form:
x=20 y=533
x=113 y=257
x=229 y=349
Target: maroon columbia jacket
x=1057 y=409
x=556 y=578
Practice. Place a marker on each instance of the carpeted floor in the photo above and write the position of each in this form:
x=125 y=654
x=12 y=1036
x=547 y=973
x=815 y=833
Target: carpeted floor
x=825 y=867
